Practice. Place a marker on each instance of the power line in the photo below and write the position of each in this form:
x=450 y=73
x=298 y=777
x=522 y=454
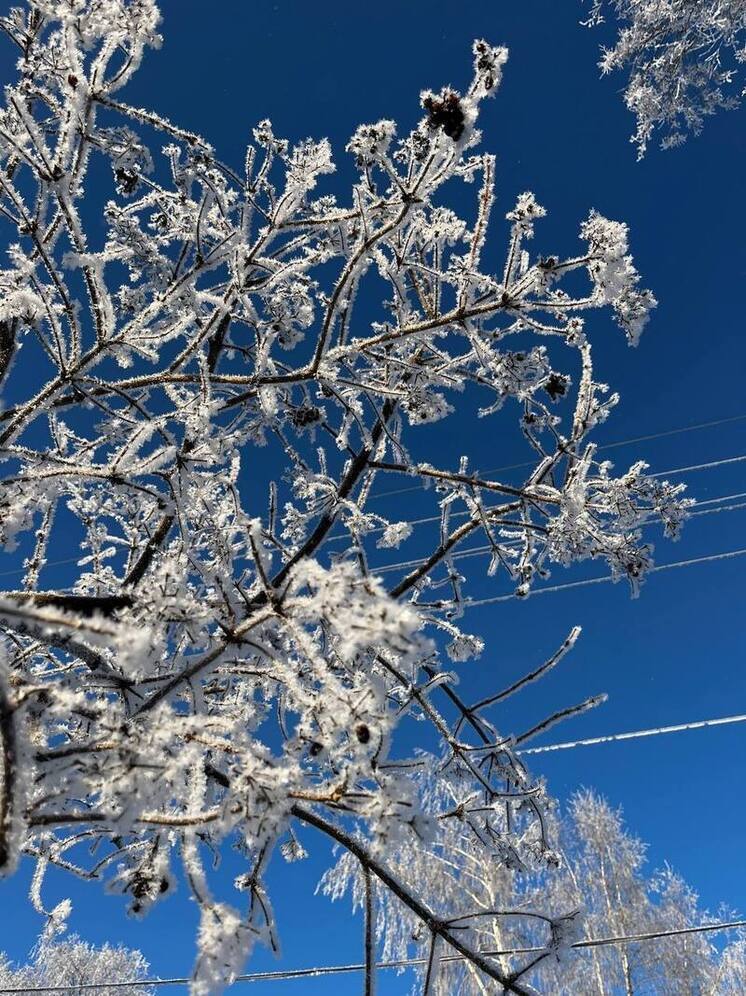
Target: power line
x=712 y=501
x=605 y=446
x=675 y=470
x=487 y=548
x=48 y=563
x=436 y=518
x=700 y=466
x=515 y=466
x=728 y=555
x=635 y=734
x=586 y=943
x=476 y=551
x=655 y=934
x=322 y=970
x=661 y=473
x=463 y=514
x=723 y=508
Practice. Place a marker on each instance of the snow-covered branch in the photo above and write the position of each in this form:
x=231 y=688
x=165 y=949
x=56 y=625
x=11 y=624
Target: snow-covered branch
x=684 y=60
x=225 y=650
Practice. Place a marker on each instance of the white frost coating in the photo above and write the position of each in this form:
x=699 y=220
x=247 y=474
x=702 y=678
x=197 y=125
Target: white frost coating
x=73 y=964
x=394 y=535
x=224 y=662
x=684 y=60
x=615 y=276
x=225 y=943
x=599 y=888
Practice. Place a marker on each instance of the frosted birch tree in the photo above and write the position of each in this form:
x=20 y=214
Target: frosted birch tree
x=73 y=963
x=684 y=60
x=596 y=887
x=225 y=663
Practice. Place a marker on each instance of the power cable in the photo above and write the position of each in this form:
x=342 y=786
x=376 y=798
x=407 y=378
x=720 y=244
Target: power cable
x=727 y=555
x=661 y=473
x=463 y=514
x=604 y=446
x=435 y=518
x=700 y=466
x=322 y=970
x=635 y=734
x=486 y=548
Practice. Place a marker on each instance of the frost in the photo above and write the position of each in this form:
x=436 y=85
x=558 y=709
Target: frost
x=225 y=943
x=464 y=646
x=394 y=535
x=64 y=964
x=228 y=659
x=371 y=142
x=683 y=57
x=615 y=276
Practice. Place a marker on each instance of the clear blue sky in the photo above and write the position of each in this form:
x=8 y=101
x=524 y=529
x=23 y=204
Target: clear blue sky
x=677 y=653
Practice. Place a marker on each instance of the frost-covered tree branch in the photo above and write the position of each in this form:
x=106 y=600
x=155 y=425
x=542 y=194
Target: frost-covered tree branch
x=599 y=888
x=207 y=372
x=684 y=61
x=74 y=964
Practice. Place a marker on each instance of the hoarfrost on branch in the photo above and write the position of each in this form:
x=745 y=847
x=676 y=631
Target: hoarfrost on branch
x=220 y=667
x=684 y=59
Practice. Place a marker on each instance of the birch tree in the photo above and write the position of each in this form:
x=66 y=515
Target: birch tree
x=225 y=662
x=597 y=886
x=684 y=60
x=81 y=968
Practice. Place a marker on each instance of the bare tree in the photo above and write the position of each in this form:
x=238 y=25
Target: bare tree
x=596 y=887
x=225 y=666
x=683 y=59
x=76 y=968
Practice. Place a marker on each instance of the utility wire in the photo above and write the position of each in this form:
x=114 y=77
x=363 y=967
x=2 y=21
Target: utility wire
x=700 y=466
x=487 y=548
x=727 y=555
x=436 y=518
x=414 y=962
x=605 y=446
x=321 y=970
x=712 y=501
x=483 y=549
x=47 y=563
x=662 y=473
x=586 y=943
x=531 y=463
x=635 y=734
x=463 y=514
x=722 y=508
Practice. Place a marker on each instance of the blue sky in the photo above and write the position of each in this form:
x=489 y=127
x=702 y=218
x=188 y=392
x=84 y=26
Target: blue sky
x=677 y=653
